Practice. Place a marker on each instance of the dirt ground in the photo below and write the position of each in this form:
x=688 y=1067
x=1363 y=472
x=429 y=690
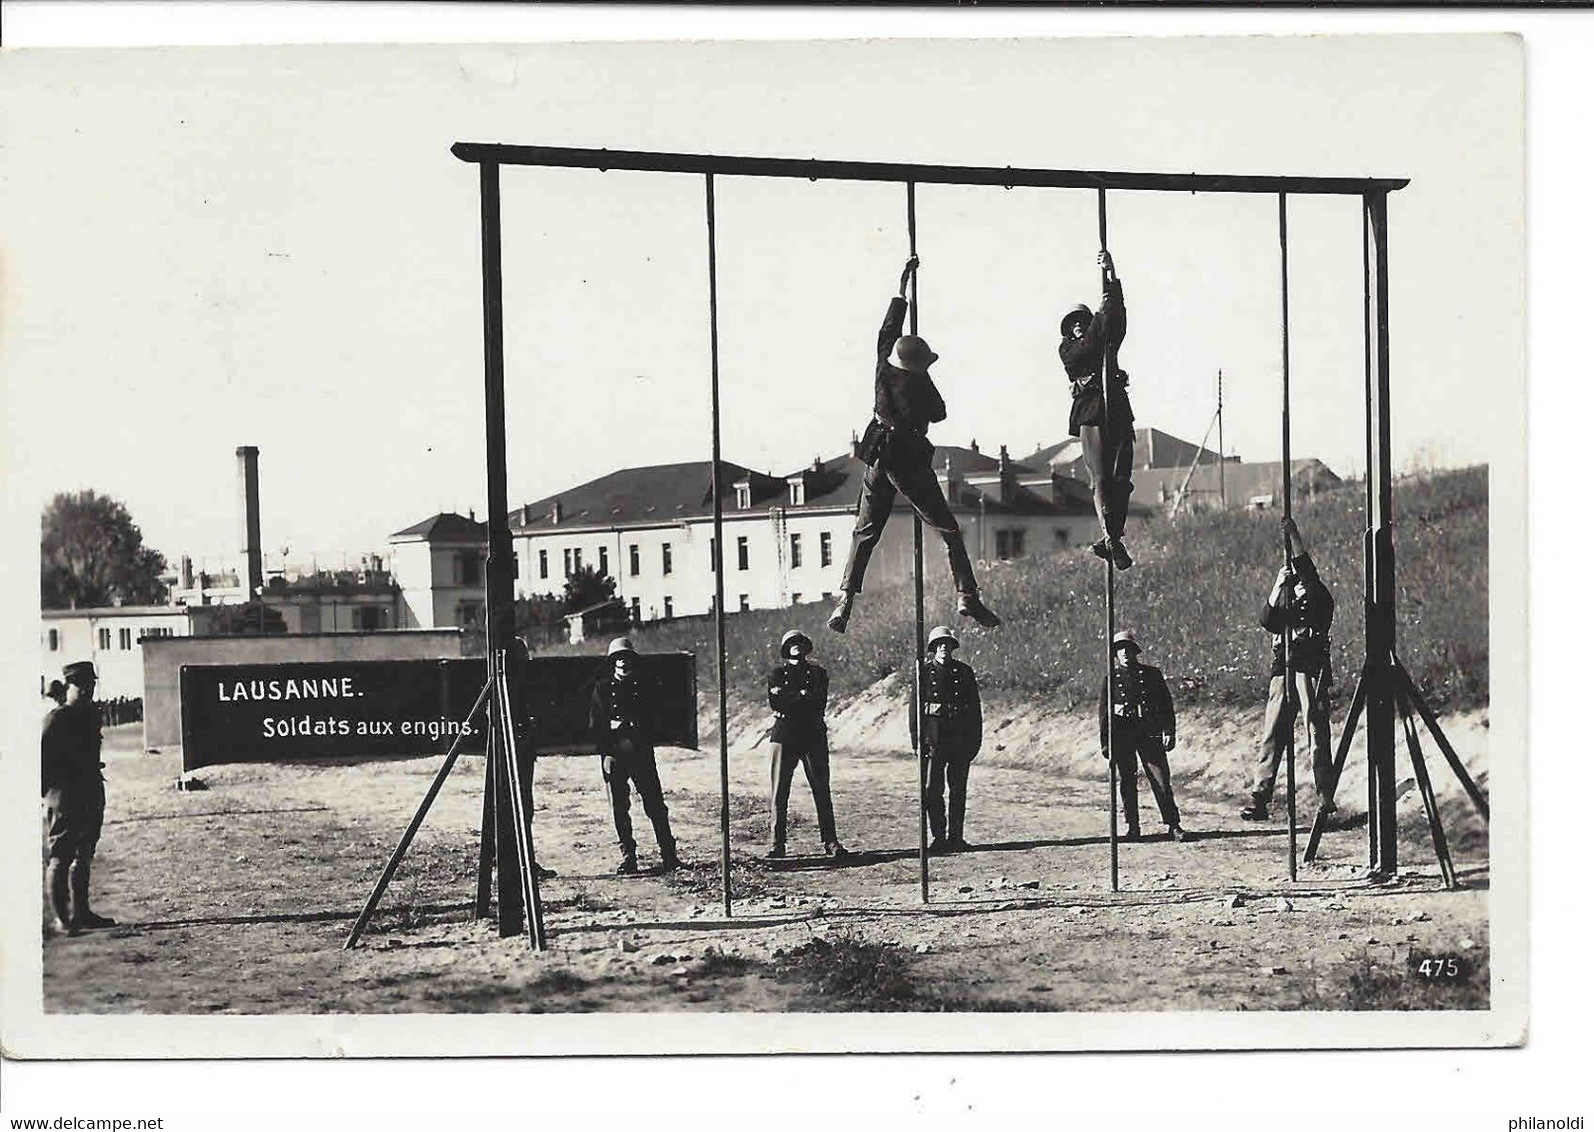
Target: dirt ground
x=237 y=898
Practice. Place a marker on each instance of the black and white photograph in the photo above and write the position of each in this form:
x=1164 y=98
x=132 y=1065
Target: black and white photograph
x=789 y=538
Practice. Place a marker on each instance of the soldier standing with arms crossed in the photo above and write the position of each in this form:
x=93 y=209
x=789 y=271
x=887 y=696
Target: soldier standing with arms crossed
x=953 y=730
x=74 y=793
x=1143 y=732
x=798 y=690
x=622 y=717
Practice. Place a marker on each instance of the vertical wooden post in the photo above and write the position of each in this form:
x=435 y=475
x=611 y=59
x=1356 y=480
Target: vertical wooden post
x=1108 y=364
x=1291 y=699
x=719 y=547
x=918 y=600
x=1380 y=593
x=1223 y=495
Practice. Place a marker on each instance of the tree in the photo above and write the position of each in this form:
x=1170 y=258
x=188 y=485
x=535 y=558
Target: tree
x=247 y=619
x=587 y=587
x=94 y=554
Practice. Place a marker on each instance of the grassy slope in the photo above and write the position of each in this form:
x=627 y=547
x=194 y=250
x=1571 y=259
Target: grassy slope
x=1193 y=599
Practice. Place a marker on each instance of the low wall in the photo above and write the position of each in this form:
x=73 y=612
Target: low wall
x=165 y=658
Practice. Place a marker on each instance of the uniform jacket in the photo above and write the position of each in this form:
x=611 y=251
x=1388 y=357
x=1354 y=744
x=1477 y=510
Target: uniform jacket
x=1306 y=619
x=70 y=746
x=630 y=703
x=906 y=404
x=1082 y=356
x=952 y=720
x=1147 y=706
x=797 y=695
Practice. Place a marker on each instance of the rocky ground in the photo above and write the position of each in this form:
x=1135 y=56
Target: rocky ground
x=237 y=898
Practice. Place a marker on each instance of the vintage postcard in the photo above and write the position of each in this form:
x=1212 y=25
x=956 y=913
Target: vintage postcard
x=783 y=537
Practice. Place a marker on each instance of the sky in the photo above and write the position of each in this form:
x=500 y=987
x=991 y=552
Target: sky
x=212 y=247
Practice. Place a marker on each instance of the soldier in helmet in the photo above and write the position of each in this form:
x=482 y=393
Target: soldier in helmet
x=898 y=453
x=1103 y=421
x=622 y=717
x=1142 y=731
x=798 y=689
x=74 y=793
x=952 y=733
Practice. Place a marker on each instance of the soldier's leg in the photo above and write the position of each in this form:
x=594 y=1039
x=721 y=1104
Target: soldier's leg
x=1120 y=461
x=1155 y=760
x=1093 y=450
x=957 y=781
x=875 y=501
x=93 y=819
x=816 y=765
x=61 y=847
x=923 y=490
x=619 y=791
x=645 y=774
x=934 y=769
x=1128 y=787
x=782 y=764
x=1316 y=709
x=1277 y=723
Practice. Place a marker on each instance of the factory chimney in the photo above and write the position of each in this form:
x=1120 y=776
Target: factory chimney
x=252 y=575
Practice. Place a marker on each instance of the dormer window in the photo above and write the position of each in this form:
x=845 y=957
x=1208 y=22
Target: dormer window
x=744 y=496
x=795 y=494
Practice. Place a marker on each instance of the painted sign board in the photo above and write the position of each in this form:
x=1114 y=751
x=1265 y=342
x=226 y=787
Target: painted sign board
x=362 y=709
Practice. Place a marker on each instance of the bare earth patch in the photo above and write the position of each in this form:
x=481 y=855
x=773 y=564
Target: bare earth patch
x=237 y=899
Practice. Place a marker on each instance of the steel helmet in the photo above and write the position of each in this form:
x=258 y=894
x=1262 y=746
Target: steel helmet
x=912 y=353
x=621 y=646
x=938 y=634
x=1124 y=638
x=1080 y=313
x=797 y=638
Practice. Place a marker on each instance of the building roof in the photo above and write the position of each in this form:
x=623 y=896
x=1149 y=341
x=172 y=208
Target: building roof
x=116 y=611
x=1241 y=482
x=445 y=526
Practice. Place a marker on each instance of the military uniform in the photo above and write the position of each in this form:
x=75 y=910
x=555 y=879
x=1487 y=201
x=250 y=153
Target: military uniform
x=1082 y=359
x=73 y=788
x=1143 y=728
x=621 y=717
x=953 y=730
x=898 y=454
x=1307 y=621
x=797 y=695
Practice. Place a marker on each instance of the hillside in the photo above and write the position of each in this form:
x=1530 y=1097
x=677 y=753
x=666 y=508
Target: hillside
x=1193 y=599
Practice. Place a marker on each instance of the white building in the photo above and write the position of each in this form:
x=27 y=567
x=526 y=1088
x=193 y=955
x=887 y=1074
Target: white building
x=440 y=567
x=786 y=537
x=112 y=638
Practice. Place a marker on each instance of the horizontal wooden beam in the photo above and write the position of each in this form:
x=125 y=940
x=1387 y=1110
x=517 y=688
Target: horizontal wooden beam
x=484 y=153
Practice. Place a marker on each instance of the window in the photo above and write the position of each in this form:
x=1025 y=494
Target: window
x=744 y=496
x=469 y=613
x=1009 y=544
x=470 y=568
x=741 y=552
x=636 y=609
x=105 y=638
x=155 y=633
x=825 y=557
x=795 y=493
x=796 y=599
x=796 y=551
x=1060 y=538
x=667 y=557
x=542 y=563
x=741 y=603
x=514 y=561
x=636 y=560
x=826 y=596
x=124 y=639
x=568 y=571
x=669 y=606
x=576 y=557
x=603 y=561
x=368 y=618
x=55 y=640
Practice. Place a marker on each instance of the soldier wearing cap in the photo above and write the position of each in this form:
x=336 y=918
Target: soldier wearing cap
x=74 y=793
x=953 y=730
x=622 y=718
x=898 y=453
x=798 y=690
x=1142 y=731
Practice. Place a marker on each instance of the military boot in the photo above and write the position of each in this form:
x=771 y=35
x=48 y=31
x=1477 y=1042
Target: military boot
x=970 y=605
x=840 y=615
x=55 y=885
x=83 y=917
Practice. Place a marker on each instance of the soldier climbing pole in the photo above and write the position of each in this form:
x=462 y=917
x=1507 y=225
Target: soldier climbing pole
x=1291 y=706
